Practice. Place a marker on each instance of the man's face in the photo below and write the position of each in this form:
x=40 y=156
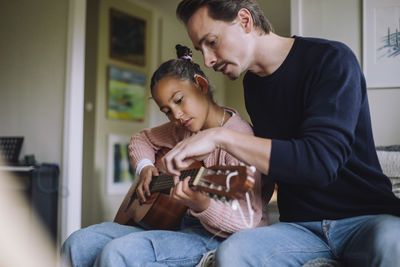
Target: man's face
x=223 y=44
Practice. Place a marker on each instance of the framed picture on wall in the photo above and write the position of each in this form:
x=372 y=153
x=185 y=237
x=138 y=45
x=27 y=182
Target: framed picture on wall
x=120 y=174
x=381 y=43
x=126 y=94
x=127 y=38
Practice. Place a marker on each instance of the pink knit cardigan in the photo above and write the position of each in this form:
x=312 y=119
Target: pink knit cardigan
x=219 y=218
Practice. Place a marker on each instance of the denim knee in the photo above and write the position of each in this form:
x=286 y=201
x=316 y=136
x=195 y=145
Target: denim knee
x=70 y=250
x=109 y=254
x=117 y=253
x=82 y=246
x=386 y=240
x=232 y=251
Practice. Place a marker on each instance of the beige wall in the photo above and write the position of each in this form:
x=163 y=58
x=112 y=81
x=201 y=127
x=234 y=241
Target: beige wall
x=32 y=74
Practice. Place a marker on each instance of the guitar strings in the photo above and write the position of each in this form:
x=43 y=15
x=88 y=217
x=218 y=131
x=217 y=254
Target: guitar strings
x=165 y=181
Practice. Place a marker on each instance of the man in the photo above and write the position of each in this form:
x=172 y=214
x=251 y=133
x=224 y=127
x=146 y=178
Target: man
x=307 y=100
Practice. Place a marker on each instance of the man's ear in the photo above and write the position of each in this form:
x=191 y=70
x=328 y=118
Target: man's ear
x=245 y=19
x=202 y=83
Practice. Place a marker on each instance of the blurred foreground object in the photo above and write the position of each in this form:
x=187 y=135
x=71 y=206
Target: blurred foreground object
x=23 y=241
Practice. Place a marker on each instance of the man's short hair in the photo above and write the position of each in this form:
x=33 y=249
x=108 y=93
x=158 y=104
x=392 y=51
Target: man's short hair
x=224 y=10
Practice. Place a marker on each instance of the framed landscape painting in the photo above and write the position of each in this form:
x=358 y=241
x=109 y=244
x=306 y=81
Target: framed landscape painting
x=127 y=38
x=126 y=94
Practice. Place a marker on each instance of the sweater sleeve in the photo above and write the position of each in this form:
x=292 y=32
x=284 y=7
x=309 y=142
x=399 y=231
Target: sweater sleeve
x=219 y=218
x=332 y=105
x=146 y=144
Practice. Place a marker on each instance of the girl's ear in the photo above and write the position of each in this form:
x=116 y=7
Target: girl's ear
x=202 y=83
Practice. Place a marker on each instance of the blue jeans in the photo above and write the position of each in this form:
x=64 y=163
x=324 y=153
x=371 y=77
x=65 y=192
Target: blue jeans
x=112 y=244
x=372 y=240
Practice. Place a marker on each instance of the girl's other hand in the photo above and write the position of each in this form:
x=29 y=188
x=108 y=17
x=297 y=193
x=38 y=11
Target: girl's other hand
x=146 y=175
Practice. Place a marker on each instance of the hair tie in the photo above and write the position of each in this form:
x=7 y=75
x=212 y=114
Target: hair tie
x=187 y=57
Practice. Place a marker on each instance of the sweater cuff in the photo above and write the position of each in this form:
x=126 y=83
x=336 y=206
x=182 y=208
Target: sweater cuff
x=143 y=163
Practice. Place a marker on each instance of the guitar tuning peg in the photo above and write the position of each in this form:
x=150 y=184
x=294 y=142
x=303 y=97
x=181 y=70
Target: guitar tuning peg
x=203 y=184
x=223 y=164
x=253 y=169
x=223 y=199
x=241 y=164
x=232 y=164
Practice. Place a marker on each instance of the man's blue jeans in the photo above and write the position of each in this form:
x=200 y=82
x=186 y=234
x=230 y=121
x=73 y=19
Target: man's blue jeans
x=372 y=240
x=111 y=244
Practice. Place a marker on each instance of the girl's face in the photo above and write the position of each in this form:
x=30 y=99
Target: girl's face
x=183 y=102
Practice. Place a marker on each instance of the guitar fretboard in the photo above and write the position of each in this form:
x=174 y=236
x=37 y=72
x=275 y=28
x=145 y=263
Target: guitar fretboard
x=165 y=181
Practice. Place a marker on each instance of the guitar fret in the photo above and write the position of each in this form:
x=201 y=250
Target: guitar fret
x=164 y=181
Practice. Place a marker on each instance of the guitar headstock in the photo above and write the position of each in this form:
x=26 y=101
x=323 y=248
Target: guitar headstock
x=226 y=181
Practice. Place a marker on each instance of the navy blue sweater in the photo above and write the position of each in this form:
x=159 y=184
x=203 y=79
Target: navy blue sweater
x=315 y=109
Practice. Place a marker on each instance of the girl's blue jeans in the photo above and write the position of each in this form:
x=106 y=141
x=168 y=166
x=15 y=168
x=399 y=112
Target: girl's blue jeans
x=112 y=244
x=372 y=240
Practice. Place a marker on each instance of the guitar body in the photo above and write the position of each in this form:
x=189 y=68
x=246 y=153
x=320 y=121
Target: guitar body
x=164 y=213
x=158 y=212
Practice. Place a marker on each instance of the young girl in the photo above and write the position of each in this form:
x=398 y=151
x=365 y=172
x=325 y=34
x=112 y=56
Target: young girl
x=182 y=91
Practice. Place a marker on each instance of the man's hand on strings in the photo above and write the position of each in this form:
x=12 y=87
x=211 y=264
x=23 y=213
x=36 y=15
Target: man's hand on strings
x=189 y=150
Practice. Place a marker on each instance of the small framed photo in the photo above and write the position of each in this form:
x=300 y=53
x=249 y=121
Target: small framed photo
x=381 y=43
x=127 y=38
x=120 y=174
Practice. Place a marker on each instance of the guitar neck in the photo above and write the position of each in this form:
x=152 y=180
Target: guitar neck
x=164 y=182
x=218 y=181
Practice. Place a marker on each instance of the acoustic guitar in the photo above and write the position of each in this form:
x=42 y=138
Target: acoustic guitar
x=165 y=213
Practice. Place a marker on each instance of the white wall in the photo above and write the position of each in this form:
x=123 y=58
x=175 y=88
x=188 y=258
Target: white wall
x=32 y=74
x=385 y=115
x=342 y=20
